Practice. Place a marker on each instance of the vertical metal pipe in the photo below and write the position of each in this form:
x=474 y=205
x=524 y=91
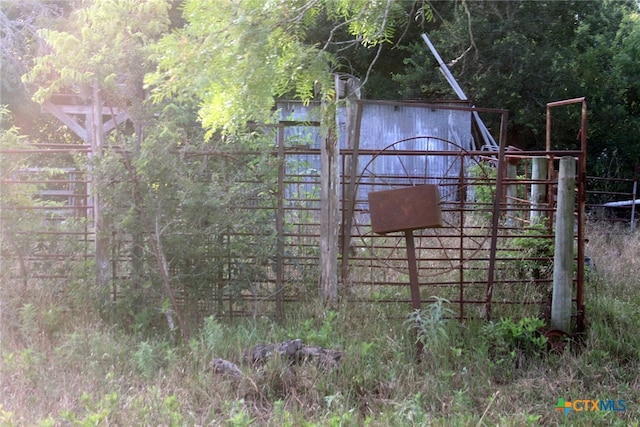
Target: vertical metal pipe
x=550 y=170
x=280 y=223
x=495 y=223
x=582 y=194
x=463 y=197
x=633 y=197
x=414 y=281
x=511 y=193
x=548 y=130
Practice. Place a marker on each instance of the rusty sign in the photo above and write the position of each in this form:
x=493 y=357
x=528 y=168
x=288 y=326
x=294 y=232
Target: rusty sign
x=403 y=209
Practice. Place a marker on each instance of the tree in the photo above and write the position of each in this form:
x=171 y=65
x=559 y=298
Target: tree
x=608 y=70
x=103 y=62
x=20 y=44
x=238 y=57
x=521 y=55
x=20 y=41
x=92 y=47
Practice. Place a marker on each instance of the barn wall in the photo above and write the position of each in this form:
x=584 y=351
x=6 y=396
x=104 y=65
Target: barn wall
x=383 y=124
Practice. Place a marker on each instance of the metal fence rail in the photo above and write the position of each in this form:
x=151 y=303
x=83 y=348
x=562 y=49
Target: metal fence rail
x=454 y=262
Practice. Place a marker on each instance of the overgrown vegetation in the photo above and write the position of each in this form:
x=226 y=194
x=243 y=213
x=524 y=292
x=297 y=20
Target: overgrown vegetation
x=72 y=354
x=61 y=364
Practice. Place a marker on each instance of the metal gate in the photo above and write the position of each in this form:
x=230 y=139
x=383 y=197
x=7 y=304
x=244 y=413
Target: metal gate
x=489 y=260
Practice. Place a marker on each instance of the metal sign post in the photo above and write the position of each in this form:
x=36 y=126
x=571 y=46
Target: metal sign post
x=407 y=209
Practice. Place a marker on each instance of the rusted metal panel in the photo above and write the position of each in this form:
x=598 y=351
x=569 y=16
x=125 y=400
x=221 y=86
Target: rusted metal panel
x=403 y=209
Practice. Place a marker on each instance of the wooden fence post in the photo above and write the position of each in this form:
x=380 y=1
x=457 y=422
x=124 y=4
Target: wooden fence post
x=329 y=210
x=538 y=190
x=563 y=255
x=96 y=134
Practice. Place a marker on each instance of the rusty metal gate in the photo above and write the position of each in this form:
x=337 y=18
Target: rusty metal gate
x=491 y=259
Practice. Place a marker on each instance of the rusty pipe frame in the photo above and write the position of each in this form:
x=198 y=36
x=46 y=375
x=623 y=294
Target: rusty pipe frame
x=496 y=213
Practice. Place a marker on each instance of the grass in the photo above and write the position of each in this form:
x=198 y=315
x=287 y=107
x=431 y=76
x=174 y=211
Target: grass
x=61 y=363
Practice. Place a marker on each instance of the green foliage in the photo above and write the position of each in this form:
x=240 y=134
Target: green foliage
x=195 y=207
x=7 y=418
x=260 y=51
x=535 y=249
x=413 y=411
x=482 y=174
x=510 y=341
x=95 y=412
x=144 y=359
x=281 y=416
x=368 y=20
x=13 y=195
x=212 y=333
x=236 y=80
x=323 y=336
x=430 y=323
x=239 y=417
x=612 y=317
x=377 y=383
x=28 y=322
x=532 y=239
x=154 y=407
x=21 y=20
x=79 y=56
x=521 y=55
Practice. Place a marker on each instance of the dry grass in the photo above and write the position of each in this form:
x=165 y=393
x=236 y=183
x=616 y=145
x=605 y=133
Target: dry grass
x=62 y=364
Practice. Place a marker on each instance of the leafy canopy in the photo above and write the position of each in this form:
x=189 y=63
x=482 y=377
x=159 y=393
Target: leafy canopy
x=103 y=43
x=237 y=56
x=519 y=55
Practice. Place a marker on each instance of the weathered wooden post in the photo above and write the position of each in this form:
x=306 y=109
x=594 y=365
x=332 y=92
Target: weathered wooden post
x=538 y=190
x=93 y=133
x=354 y=117
x=329 y=209
x=563 y=256
x=96 y=139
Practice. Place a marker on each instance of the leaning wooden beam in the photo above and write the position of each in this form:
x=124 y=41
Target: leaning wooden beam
x=86 y=109
x=110 y=125
x=68 y=120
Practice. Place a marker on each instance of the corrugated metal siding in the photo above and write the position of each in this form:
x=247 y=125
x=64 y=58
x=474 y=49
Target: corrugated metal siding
x=382 y=124
x=420 y=129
